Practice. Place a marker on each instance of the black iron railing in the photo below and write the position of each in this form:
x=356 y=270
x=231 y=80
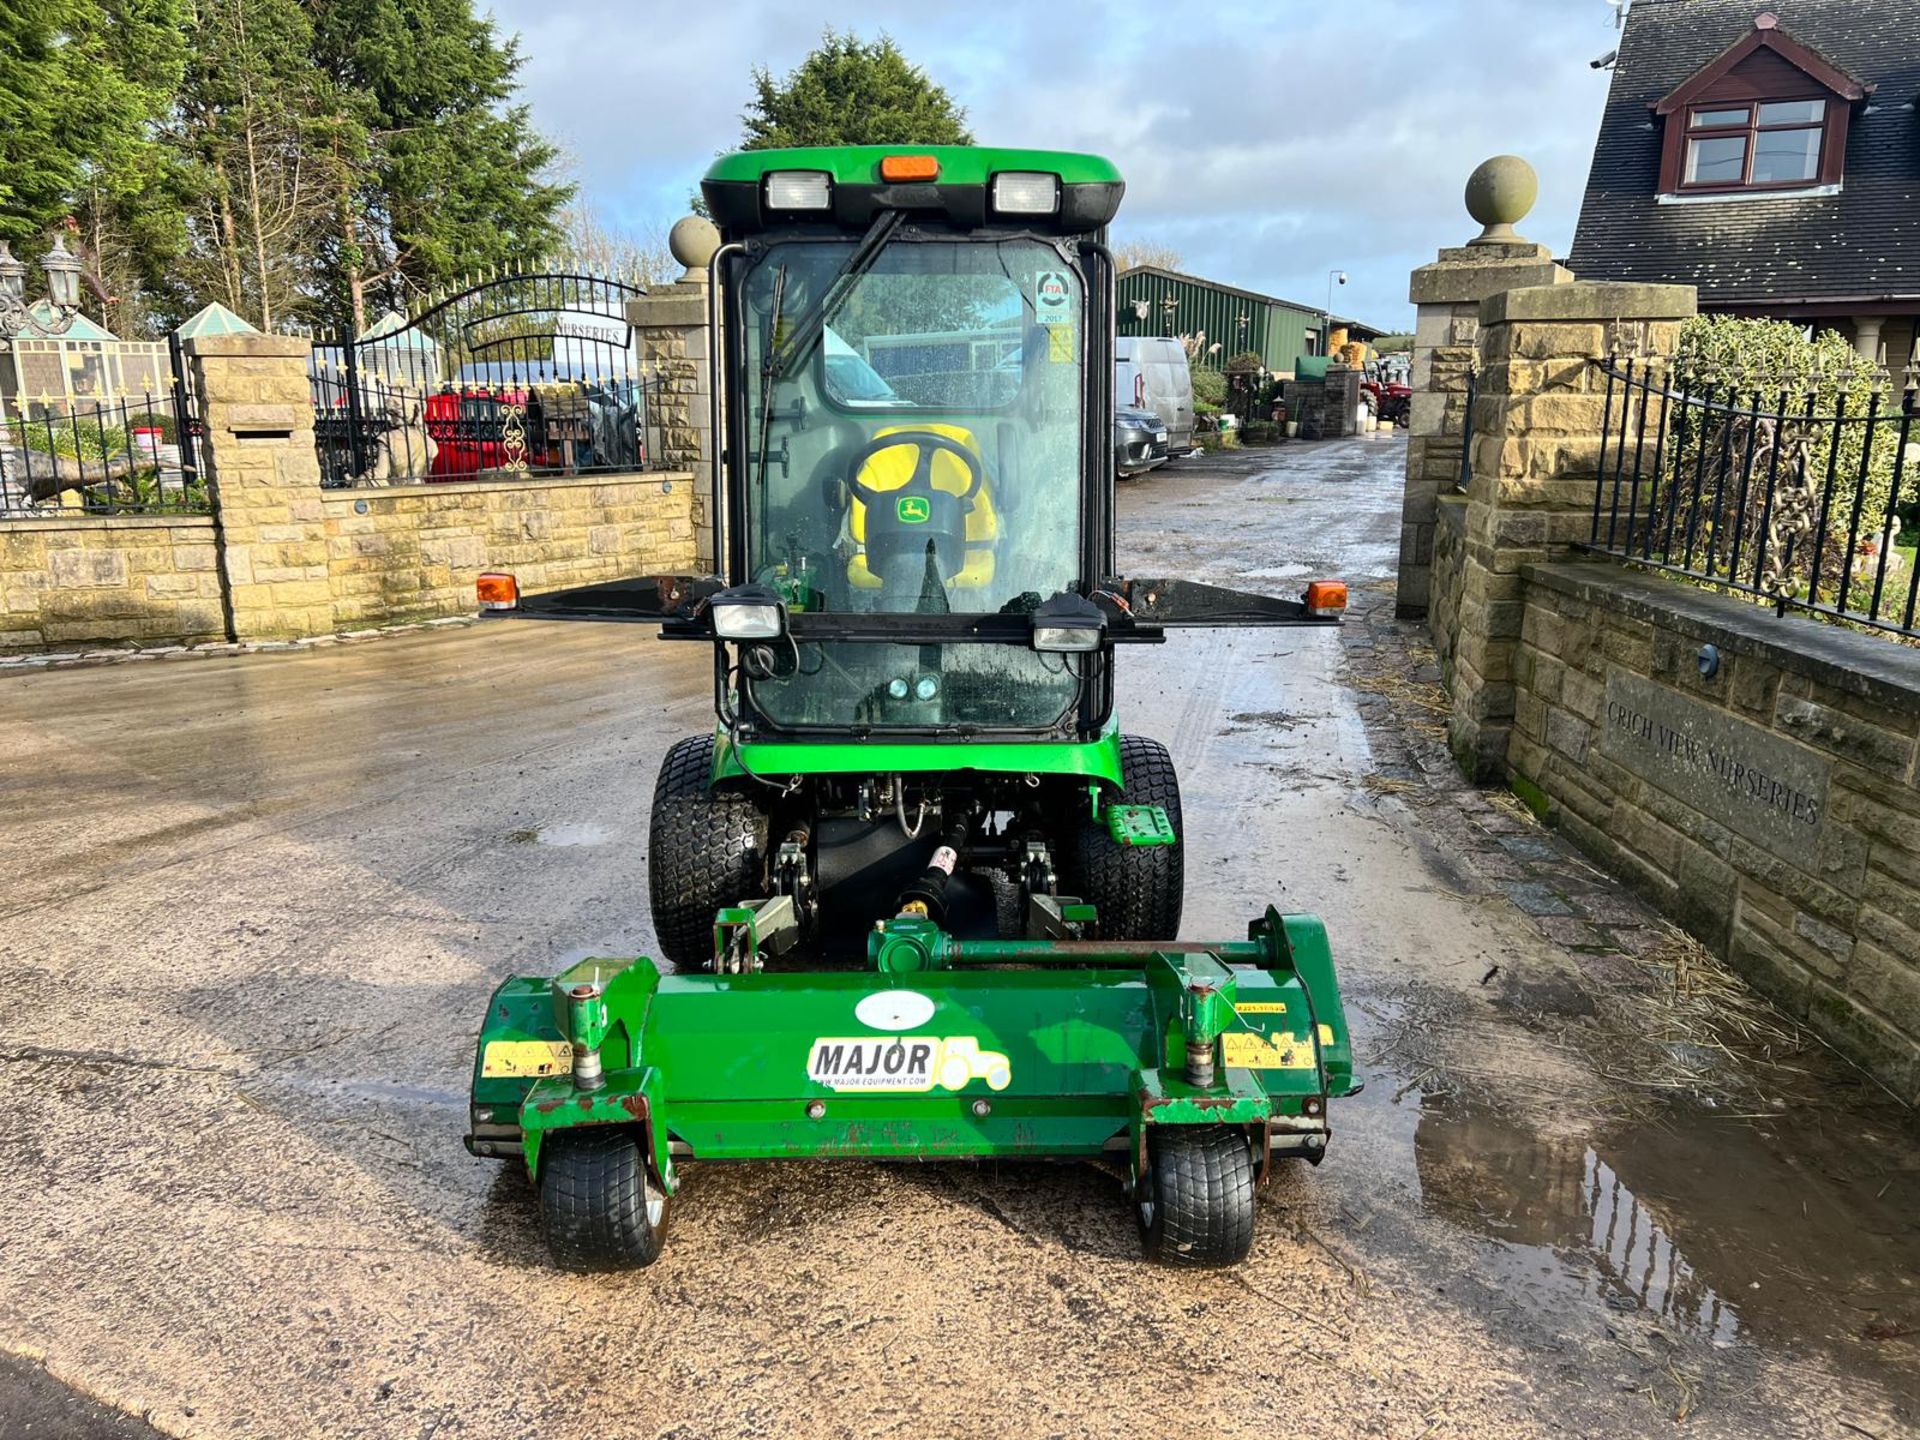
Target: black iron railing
x=126 y=455
x=1466 y=429
x=1800 y=491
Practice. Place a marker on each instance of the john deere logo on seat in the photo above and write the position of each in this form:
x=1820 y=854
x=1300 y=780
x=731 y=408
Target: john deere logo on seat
x=913 y=510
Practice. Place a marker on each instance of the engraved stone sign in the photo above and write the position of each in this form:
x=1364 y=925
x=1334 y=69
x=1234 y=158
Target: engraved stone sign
x=1758 y=784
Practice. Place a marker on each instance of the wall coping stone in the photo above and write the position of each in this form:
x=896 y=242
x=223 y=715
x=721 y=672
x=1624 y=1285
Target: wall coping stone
x=42 y=524
x=1468 y=282
x=248 y=347
x=1597 y=300
x=471 y=487
x=1868 y=666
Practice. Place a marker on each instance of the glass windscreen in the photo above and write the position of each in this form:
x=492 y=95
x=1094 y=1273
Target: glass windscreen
x=913 y=445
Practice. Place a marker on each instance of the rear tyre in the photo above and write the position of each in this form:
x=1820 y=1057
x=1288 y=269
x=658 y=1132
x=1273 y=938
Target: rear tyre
x=599 y=1206
x=1195 y=1203
x=707 y=849
x=1137 y=890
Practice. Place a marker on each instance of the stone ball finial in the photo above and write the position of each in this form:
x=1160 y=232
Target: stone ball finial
x=1499 y=195
x=693 y=240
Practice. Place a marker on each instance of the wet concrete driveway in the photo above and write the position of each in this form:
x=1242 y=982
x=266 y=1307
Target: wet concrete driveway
x=251 y=909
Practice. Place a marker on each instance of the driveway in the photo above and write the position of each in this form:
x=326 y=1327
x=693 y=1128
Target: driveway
x=252 y=908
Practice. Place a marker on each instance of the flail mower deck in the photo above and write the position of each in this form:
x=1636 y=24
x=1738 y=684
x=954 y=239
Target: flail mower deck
x=917 y=896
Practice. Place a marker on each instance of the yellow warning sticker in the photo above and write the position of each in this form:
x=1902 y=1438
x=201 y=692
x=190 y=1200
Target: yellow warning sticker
x=526 y=1059
x=1326 y=1035
x=1262 y=1007
x=1060 y=344
x=1249 y=1051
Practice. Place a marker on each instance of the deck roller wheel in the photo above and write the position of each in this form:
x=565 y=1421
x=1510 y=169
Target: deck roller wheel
x=1137 y=890
x=707 y=848
x=1195 y=1203
x=600 y=1207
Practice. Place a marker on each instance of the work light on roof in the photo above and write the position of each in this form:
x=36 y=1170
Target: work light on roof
x=799 y=190
x=1026 y=192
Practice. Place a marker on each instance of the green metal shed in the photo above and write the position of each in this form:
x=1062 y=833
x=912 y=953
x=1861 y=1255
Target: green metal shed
x=1152 y=301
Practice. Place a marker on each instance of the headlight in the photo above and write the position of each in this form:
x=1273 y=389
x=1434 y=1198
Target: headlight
x=925 y=688
x=1026 y=192
x=799 y=190
x=897 y=687
x=1068 y=623
x=748 y=612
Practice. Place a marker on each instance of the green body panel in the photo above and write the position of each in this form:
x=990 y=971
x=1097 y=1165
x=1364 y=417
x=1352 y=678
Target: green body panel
x=1069 y=1059
x=1094 y=759
x=959 y=164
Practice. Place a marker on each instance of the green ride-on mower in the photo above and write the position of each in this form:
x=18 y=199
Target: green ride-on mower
x=918 y=896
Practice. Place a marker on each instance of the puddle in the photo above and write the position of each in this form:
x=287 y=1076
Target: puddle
x=563 y=835
x=1785 y=1235
x=1569 y=1227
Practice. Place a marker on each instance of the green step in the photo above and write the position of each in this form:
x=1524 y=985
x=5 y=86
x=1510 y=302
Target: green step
x=1139 y=825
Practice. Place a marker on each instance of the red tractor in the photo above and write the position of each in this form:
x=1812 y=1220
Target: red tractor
x=1387 y=384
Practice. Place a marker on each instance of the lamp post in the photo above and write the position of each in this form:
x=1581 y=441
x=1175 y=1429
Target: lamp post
x=63 y=276
x=1326 y=336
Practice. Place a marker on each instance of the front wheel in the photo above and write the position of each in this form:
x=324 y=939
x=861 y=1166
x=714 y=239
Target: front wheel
x=1136 y=890
x=1195 y=1203
x=600 y=1206
x=707 y=848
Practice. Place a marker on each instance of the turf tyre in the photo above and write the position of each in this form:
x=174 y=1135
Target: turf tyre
x=1195 y=1203
x=707 y=848
x=600 y=1208
x=1137 y=890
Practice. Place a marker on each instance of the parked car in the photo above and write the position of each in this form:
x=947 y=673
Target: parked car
x=1153 y=374
x=1139 y=441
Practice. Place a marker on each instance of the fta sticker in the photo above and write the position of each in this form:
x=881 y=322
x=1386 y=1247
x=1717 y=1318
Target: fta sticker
x=906 y=1064
x=1052 y=298
x=1060 y=345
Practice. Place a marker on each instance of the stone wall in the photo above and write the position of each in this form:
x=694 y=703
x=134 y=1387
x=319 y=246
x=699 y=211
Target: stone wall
x=93 y=580
x=279 y=558
x=1772 y=806
x=413 y=552
x=1326 y=409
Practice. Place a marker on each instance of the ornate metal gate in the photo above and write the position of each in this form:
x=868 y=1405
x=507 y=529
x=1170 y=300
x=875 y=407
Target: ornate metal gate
x=522 y=374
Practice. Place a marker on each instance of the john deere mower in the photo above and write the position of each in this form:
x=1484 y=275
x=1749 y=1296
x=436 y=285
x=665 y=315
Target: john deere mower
x=917 y=896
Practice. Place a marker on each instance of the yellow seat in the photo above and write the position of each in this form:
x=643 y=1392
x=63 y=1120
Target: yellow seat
x=892 y=468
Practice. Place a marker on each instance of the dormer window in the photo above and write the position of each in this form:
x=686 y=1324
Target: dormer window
x=1760 y=145
x=1768 y=115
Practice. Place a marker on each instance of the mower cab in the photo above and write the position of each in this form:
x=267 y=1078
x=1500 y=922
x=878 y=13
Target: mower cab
x=917 y=896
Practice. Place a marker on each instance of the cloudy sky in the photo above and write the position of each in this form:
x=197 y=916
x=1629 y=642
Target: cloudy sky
x=1267 y=143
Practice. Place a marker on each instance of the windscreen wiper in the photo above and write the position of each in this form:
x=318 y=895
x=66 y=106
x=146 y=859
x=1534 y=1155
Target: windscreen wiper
x=806 y=334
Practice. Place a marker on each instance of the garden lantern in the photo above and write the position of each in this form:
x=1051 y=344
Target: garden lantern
x=63 y=275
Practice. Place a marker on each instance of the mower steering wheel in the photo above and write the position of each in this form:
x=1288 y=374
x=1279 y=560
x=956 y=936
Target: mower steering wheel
x=925 y=442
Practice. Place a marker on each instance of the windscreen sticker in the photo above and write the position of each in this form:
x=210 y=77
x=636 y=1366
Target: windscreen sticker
x=1060 y=345
x=1052 y=298
x=906 y=1064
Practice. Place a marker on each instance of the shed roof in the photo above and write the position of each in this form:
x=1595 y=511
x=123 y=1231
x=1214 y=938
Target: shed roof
x=1861 y=245
x=1186 y=279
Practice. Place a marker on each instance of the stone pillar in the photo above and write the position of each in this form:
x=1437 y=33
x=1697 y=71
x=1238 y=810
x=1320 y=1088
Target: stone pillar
x=263 y=478
x=1538 y=420
x=670 y=329
x=1447 y=296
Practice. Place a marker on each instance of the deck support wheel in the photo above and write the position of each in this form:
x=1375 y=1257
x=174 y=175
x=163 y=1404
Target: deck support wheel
x=1195 y=1201
x=600 y=1205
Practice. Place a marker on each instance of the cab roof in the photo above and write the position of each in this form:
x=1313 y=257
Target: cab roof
x=735 y=187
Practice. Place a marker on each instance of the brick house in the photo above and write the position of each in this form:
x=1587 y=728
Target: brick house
x=1769 y=156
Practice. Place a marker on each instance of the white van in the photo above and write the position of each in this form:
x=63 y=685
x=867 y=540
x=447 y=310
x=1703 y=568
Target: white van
x=1152 y=374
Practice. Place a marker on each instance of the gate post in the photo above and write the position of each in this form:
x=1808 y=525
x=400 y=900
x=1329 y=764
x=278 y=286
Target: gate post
x=1540 y=414
x=1447 y=296
x=670 y=328
x=263 y=477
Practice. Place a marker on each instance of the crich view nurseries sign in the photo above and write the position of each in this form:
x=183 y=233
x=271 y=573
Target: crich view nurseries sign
x=1756 y=783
